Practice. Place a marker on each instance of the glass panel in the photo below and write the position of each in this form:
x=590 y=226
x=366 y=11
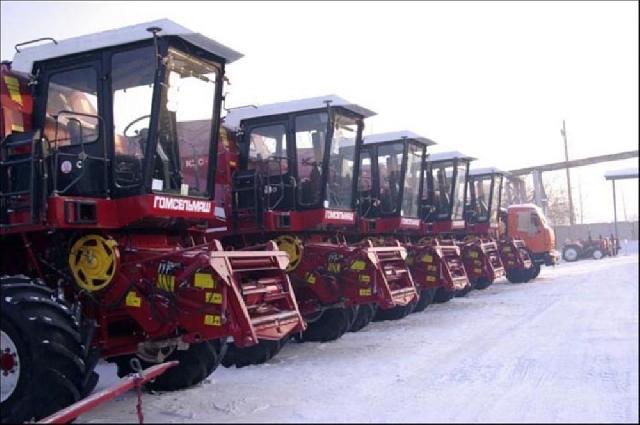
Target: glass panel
x=441 y=190
x=482 y=191
x=132 y=84
x=268 y=150
x=341 y=157
x=458 y=193
x=495 y=206
x=182 y=154
x=364 y=178
x=75 y=91
x=311 y=131
x=389 y=167
x=412 y=182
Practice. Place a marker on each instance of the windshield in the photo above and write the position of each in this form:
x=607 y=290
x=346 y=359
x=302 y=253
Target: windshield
x=132 y=74
x=458 y=193
x=389 y=164
x=311 y=131
x=441 y=189
x=481 y=191
x=184 y=136
x=412 y=182
x=495 y=200
x=341 y=157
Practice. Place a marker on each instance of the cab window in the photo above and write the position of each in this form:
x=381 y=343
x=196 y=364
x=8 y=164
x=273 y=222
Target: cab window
x=71 y=94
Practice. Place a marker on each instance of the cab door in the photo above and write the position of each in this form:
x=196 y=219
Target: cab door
x=72 y=123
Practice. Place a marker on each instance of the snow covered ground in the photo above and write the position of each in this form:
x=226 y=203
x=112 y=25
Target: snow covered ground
x=563 y=348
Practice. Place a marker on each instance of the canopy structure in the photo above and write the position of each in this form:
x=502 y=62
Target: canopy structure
x=449 y=156
x=487 y=170
x=235 y=116
x=613 y=175
x=25 y=57
x=397 y=135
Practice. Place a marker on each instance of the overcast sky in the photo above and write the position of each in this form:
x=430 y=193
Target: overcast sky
x=494 y=80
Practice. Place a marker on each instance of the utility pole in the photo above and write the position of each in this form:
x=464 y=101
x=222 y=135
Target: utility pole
x=580 y=198
x=566 y=158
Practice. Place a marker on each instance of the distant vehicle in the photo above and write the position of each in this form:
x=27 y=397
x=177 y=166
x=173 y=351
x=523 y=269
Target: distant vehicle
x=590 y=248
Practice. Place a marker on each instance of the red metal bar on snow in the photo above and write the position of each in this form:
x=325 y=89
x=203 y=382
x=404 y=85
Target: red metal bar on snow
x=127 y=383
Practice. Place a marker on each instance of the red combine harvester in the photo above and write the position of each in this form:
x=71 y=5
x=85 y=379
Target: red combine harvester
x=293 y=166
x=447 y=177
x=483 y=221
x=390 y=204
x=104 y=228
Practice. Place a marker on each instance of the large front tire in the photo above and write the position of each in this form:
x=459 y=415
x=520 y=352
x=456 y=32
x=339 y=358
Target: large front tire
x=426 y=298
x=44 y=367
x=259 y=353
x=364 y=316
x=443 y=296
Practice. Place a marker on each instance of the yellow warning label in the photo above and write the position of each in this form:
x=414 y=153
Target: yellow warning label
x=507 y=249
x=477 y=270
x=432 y=268
x=204 y=281
x=358 y=265
x=431 y=278
x=14 y=89
x=212 y=320
x=365 y=292
x=310 y=278
x=427 y=259
x=364 y=278
x=477 y=262
x=133 y=300
x=17 y=127
x=473 y=254
x=213 y=297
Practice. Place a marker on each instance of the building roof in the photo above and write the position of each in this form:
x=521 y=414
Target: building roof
x=235 y=116
x=444 y=156
x=627 y=173
x=23 y=61
x=397 y=135
x=487 y=170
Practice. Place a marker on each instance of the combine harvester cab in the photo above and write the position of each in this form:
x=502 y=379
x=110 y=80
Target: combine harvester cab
x=447 y=176
x=391 y=181
x=483 y=219
x=104 y=218
x=292 y=170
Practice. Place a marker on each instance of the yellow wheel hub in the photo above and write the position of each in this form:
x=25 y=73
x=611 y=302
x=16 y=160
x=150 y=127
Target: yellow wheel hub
x=93 y=261
x=293 y=247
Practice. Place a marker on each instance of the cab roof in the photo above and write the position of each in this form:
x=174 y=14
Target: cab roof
x=447 y=156
x=397 y=135
x=488 y=170
x=23 y=60
x=235 y=116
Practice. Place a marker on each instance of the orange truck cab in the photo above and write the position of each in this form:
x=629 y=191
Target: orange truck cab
x=528 y=222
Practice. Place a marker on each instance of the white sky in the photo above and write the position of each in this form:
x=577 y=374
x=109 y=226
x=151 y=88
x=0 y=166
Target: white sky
x=494 y=80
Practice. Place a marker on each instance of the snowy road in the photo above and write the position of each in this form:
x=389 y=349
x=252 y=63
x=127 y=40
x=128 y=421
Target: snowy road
x=561 y=349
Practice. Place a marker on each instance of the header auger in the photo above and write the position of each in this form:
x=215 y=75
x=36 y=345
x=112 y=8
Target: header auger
x=106 y=206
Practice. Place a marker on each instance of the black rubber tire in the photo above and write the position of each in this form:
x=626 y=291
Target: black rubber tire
x=259 y=353
x=53 y=370
x=365 y=315
x=463 y=292
x=443 y=296
x=332 y=324
x=517 y=276
x=195 y=364
x=426 y=299
x=534 y=271
x=395 y=313
x=482 y=283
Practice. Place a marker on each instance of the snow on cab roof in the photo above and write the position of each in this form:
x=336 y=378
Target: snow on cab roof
x=397 y=135
x=444 y=156
x=235 y=116
x=487 y=170
x=627 y=173
x=23 y=60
